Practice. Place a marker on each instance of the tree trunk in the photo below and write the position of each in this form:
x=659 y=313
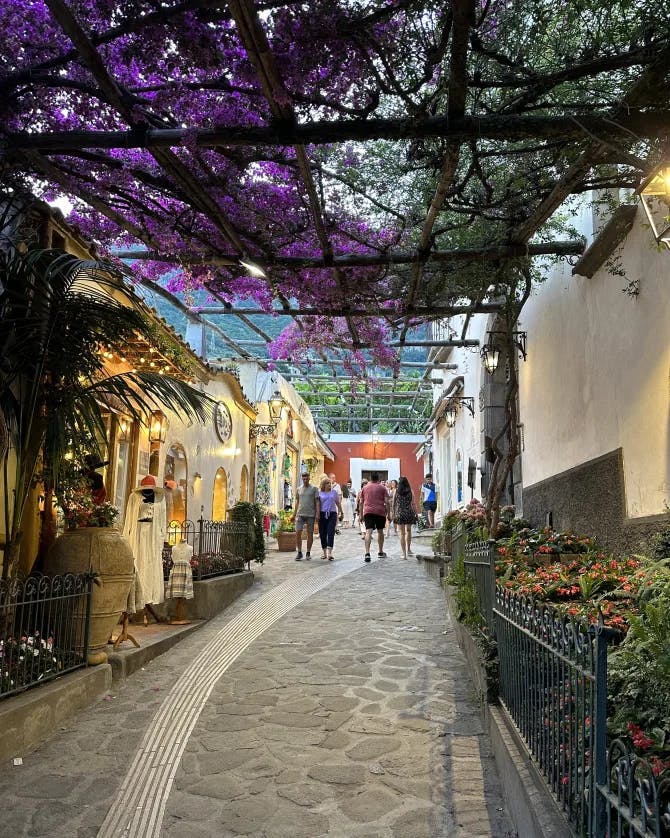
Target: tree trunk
x=505 y=459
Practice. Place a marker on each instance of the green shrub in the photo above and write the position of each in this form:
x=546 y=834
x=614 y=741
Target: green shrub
x=252 y=515
x=639 y=676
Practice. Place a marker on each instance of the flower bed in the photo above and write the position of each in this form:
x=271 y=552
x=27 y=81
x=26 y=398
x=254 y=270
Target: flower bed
x=632 y=594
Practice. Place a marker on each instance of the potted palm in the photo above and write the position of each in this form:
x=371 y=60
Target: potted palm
x=57 y=311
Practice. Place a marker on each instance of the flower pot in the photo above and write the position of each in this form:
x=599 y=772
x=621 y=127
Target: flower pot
x=285 y=541
x=107 y=553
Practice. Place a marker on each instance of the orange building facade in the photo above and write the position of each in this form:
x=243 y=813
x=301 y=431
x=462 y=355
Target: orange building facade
x=356 y=456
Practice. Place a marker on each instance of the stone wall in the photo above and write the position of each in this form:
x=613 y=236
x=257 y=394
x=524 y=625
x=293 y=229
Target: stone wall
x=591 y=499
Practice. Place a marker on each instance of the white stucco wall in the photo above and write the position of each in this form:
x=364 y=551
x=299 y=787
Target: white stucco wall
x=205 y=453
x=464 y=438
x=597 y=374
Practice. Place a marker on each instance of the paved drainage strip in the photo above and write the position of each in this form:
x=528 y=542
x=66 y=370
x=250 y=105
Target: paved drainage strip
x=139 y=806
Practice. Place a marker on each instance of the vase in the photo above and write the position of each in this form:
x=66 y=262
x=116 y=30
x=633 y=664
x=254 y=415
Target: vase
x=285 y=541
x=104 y=551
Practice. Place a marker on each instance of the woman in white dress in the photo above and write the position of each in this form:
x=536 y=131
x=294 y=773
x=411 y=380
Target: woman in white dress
x=347 y=505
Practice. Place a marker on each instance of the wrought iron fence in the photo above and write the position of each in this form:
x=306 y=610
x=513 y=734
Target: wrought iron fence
x=479 y=564
x=218 y=546
x=629 y=800
x=548 y=668
x=553 y=686
x=44 y=628
x=458 y=539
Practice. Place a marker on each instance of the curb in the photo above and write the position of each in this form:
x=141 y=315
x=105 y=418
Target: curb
x=29 y=718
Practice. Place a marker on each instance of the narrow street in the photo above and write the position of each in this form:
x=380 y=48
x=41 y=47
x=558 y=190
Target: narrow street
x=330 y=699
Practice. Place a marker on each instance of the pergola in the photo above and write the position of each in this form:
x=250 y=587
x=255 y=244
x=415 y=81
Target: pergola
x=346 y=173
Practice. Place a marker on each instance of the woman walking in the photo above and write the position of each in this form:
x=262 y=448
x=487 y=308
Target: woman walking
x=403 y=514
x=392 y=486
x=331 y=508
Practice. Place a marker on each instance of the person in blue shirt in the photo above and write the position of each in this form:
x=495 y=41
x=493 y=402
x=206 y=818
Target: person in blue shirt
x=429 y=490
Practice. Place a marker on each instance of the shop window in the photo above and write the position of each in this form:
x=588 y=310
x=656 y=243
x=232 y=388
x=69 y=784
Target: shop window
x=244 y=484
x=175 y=481
x=220 y=496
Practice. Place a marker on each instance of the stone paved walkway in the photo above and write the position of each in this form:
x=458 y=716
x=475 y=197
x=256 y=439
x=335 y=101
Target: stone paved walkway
x=351 y=714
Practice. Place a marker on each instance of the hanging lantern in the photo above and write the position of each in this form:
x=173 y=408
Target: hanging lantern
x=275 y=405
x=490 y=356
x=158 y=427
x=450 y=415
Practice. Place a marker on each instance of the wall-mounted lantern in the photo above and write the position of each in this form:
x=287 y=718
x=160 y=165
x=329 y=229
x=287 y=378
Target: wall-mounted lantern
x=124 y=428
x=275 y=405
x=158 y=426
x=491 y=350
x=655 y=198
x=451 y=409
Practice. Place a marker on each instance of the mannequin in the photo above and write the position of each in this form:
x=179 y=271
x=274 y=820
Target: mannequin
x=180 y=584
x=145 y=528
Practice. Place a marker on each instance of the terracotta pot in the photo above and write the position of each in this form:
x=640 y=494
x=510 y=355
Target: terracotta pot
x=285 y=541
x=105 y=551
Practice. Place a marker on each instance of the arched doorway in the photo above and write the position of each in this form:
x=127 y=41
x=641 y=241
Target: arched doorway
x=220 y=496
x=175 y=481
x=244 y=484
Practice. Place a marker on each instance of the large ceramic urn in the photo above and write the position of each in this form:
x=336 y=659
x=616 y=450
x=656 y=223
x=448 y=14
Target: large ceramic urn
x=106 y=552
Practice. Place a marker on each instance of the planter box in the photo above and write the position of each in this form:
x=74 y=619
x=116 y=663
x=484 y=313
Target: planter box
x=285 y=541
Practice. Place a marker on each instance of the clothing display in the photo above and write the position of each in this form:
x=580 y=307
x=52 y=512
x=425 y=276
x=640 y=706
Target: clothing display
x=180 y=583
x=145 y=528
x=264 y=466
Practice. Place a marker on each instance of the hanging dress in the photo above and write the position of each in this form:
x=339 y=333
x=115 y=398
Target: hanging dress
x=145 y=528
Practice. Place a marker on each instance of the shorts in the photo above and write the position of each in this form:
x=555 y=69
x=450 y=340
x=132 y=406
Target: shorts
x=374 y=522
x=430 y=504
x=302 y=521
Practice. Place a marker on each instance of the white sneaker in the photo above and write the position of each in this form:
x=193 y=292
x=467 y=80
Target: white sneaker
x=409 y=553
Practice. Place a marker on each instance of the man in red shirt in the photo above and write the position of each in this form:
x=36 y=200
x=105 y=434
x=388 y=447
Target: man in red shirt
x=375 y=513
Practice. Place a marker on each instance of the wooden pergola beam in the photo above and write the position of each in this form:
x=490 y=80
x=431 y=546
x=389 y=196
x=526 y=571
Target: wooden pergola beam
x=571 y=247
x=647 y=124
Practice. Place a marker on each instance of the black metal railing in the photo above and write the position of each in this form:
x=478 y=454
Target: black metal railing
x=548 y=675
x=553 y=687
x=44 y=628
x=629 y=800
x=479 y=564
x=218 y=546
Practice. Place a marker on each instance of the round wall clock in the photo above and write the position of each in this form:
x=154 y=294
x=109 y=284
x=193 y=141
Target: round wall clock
x=222 y=422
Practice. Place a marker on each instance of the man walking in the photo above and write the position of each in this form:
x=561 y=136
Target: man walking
x=375 y=512
x=307 y=509
x=429 y=491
